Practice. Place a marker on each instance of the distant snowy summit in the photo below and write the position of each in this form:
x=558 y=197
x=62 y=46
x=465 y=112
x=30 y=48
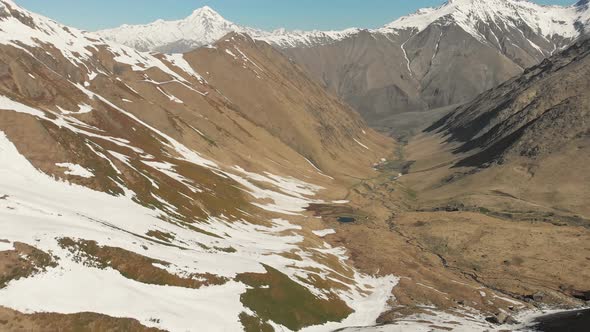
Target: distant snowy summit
x=205 y=26
x=548 y=21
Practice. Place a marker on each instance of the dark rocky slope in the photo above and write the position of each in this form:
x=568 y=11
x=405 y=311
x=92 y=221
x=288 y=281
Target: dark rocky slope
x=533 y=115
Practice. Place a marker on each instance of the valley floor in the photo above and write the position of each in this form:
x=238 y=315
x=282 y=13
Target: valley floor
x=480 y=253
x=472 y=259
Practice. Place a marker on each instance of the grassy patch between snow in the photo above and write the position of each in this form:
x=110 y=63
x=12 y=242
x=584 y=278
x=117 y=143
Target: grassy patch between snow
x=135 y=266
x=275 y=297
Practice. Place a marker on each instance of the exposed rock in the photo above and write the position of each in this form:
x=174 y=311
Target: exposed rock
x=501 y=318
x=532 y=116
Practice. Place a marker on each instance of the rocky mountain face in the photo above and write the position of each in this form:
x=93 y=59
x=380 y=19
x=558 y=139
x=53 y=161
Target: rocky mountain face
x=500 y=185
x=431 y=59
x=171 y=189
x=535 y=128
x=440 y=56
x=534 y=115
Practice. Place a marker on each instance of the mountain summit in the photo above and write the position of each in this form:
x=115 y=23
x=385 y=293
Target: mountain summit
x=503 y=15
x=204 y=26
x=439 y=57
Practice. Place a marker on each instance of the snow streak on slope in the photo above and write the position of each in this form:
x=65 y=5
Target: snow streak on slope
x=39 y=210
x=24 y=30
x=73 y=43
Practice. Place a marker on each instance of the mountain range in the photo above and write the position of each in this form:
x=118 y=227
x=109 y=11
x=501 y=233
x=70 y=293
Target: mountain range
x=205 y=26
x=434 y=58
x=228 y=187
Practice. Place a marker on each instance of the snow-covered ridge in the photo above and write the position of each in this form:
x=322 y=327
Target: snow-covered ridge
x=23 y=29
x=205 y=26
x=546 y=20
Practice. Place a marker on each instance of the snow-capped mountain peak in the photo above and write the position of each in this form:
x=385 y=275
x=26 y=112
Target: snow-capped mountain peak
x=206 y=15
x=203 y=26
x=6 y=2
x=548 y=21
x=557 y=24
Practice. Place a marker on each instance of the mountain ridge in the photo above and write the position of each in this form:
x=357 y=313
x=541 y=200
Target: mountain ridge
x=402 y=67
x=203 y=34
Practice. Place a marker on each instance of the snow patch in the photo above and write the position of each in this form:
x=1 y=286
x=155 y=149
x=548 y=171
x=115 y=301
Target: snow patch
x=324 y=232
x=361 y=144
x=76 y=170
x=6 y=245
x=179 y=61
x=44 y=210
x=341 y=202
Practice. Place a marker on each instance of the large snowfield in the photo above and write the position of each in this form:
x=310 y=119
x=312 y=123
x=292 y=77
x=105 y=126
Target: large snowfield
x=39 y=210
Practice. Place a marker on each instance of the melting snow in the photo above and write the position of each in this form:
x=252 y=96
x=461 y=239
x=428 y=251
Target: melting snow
x=43 y=210
x=340 y=202
x=6 y=245
x=361 y=144
x=76 y=170
x=231 y=53
x=83 y=108
x=179 y=61
x=324 y=232
x=171 y=97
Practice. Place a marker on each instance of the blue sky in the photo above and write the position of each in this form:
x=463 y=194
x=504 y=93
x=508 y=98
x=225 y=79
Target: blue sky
x=265 y=14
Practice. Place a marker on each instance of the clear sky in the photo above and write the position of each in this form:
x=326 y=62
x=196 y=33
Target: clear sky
x=264 y=14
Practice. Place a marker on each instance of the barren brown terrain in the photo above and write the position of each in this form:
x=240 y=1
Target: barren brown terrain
x=224 y=186
x=451 y=251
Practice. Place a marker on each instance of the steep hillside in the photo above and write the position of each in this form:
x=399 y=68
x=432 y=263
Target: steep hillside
x=152 y=185
x=222 y=189
x=534 y=115
x=527 y=141
x=496 y=192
